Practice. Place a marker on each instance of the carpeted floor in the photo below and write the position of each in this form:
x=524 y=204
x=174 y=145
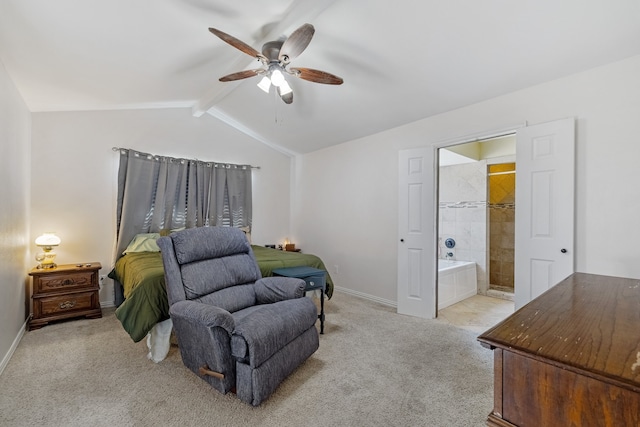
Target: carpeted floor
x=374 y=368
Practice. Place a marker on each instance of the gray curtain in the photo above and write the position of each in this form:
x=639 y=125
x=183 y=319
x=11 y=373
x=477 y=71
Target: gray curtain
x=156 y=193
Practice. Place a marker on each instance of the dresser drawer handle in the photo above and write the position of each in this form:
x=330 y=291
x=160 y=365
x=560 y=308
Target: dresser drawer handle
x=68 y=282
x=67 y=304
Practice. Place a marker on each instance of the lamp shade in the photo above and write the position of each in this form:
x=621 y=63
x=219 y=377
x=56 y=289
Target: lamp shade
x=277 y=78
x=48 y=239
x=265 y=84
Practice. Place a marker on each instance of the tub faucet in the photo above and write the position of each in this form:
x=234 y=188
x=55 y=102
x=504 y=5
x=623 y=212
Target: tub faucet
x=449 y=255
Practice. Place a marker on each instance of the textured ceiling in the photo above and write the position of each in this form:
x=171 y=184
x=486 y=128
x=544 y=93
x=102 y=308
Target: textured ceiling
x=401 y=61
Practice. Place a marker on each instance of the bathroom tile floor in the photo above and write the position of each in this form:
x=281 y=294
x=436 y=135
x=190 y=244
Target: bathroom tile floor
x=477 y=313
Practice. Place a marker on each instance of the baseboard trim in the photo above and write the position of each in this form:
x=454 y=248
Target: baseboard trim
x=14 y=346
x=367 y=296
x=106 y=304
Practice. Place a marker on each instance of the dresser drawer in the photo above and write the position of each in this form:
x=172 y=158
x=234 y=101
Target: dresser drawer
x=64 y=282
x=65 y=303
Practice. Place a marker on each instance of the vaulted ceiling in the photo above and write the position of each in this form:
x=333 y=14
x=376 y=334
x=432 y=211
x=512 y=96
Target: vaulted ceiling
x=400 y=61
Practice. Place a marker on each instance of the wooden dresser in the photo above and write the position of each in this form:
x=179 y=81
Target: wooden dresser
x=571 y=357
x=64 y=292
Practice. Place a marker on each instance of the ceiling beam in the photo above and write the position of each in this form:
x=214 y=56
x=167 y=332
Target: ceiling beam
x=248 y=131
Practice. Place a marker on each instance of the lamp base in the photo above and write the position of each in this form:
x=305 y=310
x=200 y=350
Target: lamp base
x=46 y=258
x=47 y=266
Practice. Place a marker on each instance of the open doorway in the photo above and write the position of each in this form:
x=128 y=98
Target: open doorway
x=501 y=219
x=544 y=226
x=476 y=231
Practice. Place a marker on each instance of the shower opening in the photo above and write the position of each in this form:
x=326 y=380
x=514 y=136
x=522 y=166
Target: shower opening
x=501 y=186
x=476 y=201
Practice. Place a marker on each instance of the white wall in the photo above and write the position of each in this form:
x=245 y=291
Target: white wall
x=345 y=205
x=15 y=127
x=74 y=174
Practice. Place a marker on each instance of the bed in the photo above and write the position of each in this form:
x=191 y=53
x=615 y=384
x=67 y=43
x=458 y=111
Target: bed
x=140 y=274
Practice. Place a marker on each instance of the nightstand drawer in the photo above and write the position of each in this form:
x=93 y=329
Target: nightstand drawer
x=64 y=282
x=65 y=303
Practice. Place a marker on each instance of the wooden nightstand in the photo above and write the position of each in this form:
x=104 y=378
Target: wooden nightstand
x=65 y=292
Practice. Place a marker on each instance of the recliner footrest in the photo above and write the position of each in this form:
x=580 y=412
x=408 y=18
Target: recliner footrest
x=256 y=384
x=269 y=328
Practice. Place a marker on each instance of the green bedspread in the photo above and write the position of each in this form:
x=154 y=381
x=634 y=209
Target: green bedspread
x=270 y=259
x=142 y=277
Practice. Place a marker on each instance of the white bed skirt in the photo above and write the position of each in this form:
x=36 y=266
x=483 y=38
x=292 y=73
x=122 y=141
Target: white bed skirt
x=159 y=340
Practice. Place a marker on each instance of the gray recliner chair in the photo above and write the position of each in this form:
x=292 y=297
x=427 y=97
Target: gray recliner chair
x=238 y=331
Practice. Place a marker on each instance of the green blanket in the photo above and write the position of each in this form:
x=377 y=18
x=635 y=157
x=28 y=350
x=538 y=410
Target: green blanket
x=142 y=277
x=270 y=259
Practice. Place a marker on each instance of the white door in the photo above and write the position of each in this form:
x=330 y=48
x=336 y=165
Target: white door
x=416 y=233
x=545 y=168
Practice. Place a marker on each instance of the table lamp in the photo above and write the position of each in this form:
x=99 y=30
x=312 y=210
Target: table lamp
x=46 y=242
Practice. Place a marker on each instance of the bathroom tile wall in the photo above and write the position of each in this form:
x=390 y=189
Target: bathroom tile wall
x=463 y=215
x=501 y=244
x=502 y=197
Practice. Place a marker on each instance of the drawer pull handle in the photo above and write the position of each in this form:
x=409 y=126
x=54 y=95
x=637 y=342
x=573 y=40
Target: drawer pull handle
x=67 y=304
x=68 y=282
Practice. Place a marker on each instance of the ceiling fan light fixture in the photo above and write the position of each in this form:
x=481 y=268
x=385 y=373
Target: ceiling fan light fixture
x=265 y=84
x=275 y=57
x=285 y=88
x=277 y=78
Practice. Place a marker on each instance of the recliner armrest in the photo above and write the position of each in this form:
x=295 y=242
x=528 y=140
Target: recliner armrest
x=206 y=315
x=274 y=289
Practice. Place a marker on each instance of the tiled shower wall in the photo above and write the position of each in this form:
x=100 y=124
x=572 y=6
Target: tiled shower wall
x=502 y=197
x=463 y=215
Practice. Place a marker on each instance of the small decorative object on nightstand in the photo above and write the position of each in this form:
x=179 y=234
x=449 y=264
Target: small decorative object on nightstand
x=65 y=292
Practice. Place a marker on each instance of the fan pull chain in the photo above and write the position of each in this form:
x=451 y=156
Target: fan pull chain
x=277 y=105
x=274 y=103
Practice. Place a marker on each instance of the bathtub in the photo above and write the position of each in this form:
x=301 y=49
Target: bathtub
x=456 y=281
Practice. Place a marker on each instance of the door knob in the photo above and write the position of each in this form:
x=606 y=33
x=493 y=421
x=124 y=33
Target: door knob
x=563 y=250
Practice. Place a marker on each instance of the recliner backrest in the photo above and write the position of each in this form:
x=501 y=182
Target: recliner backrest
x=217 y=266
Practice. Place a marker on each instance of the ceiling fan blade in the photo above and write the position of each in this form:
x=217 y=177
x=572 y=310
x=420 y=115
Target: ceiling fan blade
x=237 y=43
x=240 y=75
x=316 y=76
x=287 y=97
x=296 y=43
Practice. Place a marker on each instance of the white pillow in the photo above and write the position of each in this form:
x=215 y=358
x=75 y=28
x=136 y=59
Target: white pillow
x=143 y=242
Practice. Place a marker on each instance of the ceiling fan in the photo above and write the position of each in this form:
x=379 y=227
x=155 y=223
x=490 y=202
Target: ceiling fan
x=275 y=58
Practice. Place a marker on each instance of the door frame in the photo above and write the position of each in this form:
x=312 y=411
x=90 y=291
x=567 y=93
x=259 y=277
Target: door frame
x=476 y=137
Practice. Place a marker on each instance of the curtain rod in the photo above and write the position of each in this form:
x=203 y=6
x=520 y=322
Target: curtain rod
x=119 y=148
